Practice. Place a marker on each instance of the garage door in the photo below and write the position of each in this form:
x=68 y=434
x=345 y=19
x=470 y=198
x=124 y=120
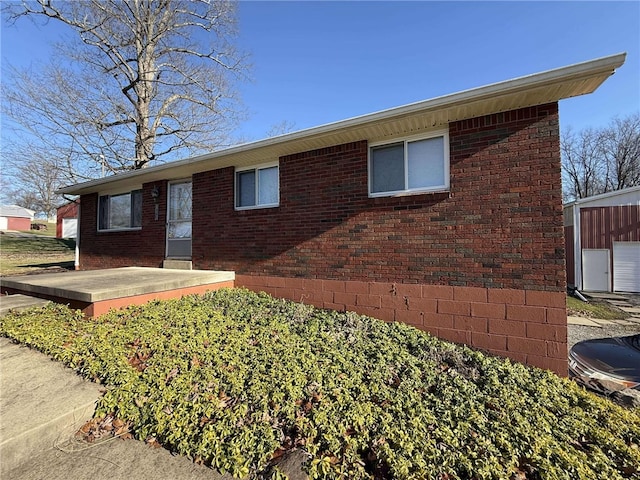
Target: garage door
x=69 y=227
x=626 y=266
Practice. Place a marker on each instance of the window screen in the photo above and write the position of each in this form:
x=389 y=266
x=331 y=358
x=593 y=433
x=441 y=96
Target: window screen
x=257 y=187
x=409 y=166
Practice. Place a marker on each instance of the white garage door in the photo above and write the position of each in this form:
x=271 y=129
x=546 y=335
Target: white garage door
x=3 y=223
x=626 y=266
x=69 y=227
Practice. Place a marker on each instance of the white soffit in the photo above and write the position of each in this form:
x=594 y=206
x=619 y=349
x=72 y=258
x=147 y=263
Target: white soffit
x=531 y=90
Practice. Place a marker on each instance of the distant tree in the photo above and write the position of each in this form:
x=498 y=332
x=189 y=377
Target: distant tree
x=620 y=147
x=5 y=185
x=281 y=128
x=583 y=169
x=601 y=160
x=32 y=178
x=136 y=82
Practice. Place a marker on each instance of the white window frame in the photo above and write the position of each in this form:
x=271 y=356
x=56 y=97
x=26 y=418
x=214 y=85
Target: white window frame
x=116 y=194
x=255 y=168
x=406 y=140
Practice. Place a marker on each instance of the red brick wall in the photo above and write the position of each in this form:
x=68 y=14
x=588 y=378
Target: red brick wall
x=134 y=248
x=500 y=226
x=482 y=264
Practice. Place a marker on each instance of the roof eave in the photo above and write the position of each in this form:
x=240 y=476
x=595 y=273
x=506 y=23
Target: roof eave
x=603 y=196
x=579 y=79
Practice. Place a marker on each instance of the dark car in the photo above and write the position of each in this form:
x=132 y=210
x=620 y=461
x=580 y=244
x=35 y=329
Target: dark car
x=607 y=364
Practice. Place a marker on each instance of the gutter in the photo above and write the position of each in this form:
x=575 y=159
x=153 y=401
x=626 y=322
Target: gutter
x=589 y=68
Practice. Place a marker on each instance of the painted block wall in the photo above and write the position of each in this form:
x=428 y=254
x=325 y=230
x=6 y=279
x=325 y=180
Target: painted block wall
x=529 y=326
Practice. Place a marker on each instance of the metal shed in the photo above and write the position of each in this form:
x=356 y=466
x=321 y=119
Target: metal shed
x=602 y=241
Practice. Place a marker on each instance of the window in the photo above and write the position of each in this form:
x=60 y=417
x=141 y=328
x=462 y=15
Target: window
x=411 y=165
x=257 y=187
x=117 y=212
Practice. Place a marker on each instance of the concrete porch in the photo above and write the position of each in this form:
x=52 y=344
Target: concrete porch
x=97 y=291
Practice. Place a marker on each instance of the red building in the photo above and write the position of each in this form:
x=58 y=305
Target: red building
x=13 y=217
x=445 y=214
x=67 y=220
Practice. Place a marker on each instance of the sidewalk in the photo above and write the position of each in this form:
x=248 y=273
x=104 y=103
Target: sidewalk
x=43 y=404
x=620 y=301
x=599 y=322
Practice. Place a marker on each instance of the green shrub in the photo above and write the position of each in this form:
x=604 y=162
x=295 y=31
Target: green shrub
x=234 y=378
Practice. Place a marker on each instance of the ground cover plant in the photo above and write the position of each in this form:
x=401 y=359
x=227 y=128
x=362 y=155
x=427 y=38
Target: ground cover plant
x=24 y=255
x=235 y=379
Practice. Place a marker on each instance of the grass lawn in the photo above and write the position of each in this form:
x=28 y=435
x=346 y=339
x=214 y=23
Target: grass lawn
x=21 y=255
x=594 y=309
x=235 y=379
x=49 y=232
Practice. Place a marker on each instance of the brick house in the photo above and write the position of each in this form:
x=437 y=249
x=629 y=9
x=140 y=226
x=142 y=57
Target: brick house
x=445 y=214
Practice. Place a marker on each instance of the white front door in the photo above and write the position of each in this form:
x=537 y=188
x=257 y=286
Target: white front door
x=179 y=220
x=595 y=270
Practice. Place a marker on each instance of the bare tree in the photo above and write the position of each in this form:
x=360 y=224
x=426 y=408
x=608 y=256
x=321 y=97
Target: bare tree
x=5 y=186
x=620 y=148
x=137 y=82
x=583 y=171
x=280 y=128
x=601 y=160
x=32 y=178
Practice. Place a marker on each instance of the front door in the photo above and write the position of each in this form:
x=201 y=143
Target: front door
x=179 y=220
x=595 y=270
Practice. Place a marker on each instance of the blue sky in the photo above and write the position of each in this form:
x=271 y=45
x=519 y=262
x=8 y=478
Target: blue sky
x=319 y=62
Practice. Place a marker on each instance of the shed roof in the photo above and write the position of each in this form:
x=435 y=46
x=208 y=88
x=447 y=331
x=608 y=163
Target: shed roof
x=625 y=196
x=16 y=211
x=527 y=91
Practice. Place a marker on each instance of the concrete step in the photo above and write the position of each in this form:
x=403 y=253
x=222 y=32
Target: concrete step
x=178 y=264
x=42 y=403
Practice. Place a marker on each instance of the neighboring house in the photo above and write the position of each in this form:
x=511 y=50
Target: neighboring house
x=67 y=220
x=445 y=214
x=13 y=217
x=602 y=242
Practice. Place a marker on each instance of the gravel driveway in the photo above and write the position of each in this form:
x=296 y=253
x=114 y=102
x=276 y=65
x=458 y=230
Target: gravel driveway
x=578 y=333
